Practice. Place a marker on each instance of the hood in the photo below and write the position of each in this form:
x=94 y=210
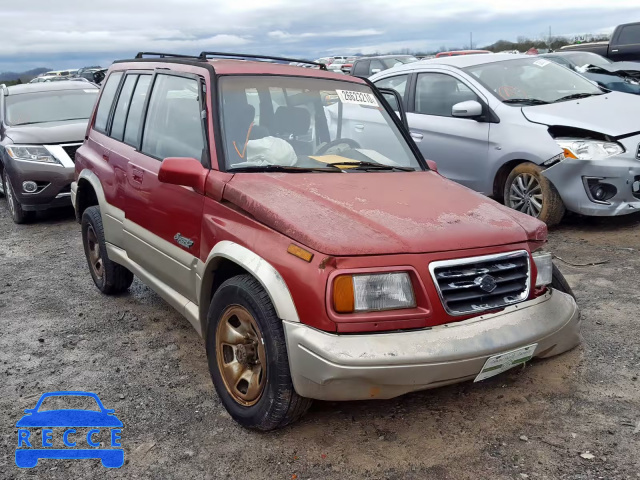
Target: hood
x=70 y=131
x=613 y=114
x=378 y=213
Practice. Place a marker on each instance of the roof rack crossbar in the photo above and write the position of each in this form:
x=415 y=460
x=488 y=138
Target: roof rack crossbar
x=163 y=55
x=206 y=55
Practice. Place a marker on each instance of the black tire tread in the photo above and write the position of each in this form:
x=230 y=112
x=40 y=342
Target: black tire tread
x=117 y=278
x=560 y=283
x=288 y=406
x=21 y=216
x=553 y=208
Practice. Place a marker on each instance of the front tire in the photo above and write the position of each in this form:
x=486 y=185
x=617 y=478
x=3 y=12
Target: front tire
x=110 y=277
x=530 y=192
x=248 y=359
x=18 y=215
x=558 y=282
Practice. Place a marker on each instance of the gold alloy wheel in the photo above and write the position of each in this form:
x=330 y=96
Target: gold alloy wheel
x=93 y=247
x=241 y=355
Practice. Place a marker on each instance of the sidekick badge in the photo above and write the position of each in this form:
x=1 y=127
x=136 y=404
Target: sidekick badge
x=183 y=241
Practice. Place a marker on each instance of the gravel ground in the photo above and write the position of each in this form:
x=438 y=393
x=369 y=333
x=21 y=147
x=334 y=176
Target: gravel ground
x=143 y=359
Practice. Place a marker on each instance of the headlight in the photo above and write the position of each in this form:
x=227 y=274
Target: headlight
x=362 y=293
x=31 y=154
x=585 y=149
x=545 y=268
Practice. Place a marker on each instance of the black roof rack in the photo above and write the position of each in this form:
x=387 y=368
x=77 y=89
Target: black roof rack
x=163 y=55
x=207 y=55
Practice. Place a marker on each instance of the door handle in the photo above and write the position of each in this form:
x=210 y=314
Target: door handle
x=614 y=51
x=137 y=174
x=417 y=136
x=105 y=156
x=359 y=127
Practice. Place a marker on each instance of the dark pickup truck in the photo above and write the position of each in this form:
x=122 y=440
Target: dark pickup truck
x=624 y=44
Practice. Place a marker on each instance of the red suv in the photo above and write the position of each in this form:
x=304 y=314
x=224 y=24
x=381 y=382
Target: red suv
x=306 y=240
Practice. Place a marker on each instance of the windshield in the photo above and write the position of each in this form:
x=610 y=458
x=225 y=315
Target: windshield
x=582 y=59
x=308 y=123
x=532 y=80
x=52 y=106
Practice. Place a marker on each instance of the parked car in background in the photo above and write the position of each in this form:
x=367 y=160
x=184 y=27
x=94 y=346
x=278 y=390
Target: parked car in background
x=525 y=130
x=367 y=66
x=619 y=76
x=425 y=284
x=41 y=127
x=326 y=60
x=93 y=74
x=623 y=46
x=458 y=53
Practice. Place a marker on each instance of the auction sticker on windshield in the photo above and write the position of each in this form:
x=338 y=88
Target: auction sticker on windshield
x=357 y=98
x=505 y=361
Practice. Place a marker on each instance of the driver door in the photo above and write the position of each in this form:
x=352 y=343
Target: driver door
x=460 y=146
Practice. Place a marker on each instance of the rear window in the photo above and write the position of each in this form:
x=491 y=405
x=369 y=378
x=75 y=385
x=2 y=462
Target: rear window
x=104 y=107
x=52 y=106
x=629 y=35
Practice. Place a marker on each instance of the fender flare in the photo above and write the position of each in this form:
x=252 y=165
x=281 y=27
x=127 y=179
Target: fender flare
x=263 y=271
x=94 y=181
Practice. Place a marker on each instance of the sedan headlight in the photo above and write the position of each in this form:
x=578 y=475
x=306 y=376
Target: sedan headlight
x=29 y=153
x=586 y=149
x=363 y=293
x=544 y=265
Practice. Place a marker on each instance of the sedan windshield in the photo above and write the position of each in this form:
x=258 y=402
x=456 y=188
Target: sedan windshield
x=51 y=106
x=293 y=124
x=533 y=81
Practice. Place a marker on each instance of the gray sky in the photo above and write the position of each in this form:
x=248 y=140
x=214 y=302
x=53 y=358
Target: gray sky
x=70 y=33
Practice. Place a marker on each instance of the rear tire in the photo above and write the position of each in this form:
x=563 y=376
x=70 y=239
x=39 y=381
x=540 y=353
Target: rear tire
x=242 y=319
x=560 y=283
x=530 y=192
x=18 y=215
x=110 y=278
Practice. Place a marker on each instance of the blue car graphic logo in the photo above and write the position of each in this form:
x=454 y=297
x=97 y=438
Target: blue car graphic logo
x=31 y=448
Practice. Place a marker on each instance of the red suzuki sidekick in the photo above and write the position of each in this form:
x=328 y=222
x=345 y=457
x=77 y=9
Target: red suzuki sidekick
x=286 y=213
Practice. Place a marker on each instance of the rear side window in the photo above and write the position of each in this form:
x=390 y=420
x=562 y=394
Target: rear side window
x=104 y=107
x=361 y=68
x=132 y=128
x=629 y=35
x=398 y=83
x=124 y=100
x=174 y=126
x=376 y=66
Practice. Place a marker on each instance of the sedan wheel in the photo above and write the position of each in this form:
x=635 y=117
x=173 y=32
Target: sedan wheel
x=526 y=195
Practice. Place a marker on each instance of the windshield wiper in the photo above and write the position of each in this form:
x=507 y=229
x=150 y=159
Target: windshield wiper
x=575 y=96
x=530 y=101
x=372 y=165
x=282 y=168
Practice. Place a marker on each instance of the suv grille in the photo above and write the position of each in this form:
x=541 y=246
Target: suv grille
x=472 y=285
x=71 y=150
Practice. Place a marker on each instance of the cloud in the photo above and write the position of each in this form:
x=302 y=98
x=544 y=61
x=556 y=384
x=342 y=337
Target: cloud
x=73 y=33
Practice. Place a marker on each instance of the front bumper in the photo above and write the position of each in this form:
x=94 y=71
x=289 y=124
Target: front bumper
x=54 y=179
x=623 y=171
x=326 y=366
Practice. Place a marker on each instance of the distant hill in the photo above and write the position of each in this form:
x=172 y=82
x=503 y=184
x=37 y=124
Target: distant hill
x=23 y=76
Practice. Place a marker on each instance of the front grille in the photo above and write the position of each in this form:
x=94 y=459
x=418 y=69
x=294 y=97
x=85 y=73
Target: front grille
x=472 y=285
x=71 y=150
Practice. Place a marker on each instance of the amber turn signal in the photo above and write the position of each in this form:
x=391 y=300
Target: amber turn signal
x=343 y=298
x=568 y=153
x=296 y=251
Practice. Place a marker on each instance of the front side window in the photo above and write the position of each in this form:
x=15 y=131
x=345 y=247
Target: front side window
x=437 y=93
x=398 y=83
x=307 y=123
x=532 y=81
x=106 y=100
x=50 y=106
x=174 y=126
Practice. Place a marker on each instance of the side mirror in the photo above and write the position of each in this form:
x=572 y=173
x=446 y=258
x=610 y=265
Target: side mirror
x=394 y=100
x=375 y=70
x=187 y=172
x=432 y=165
x=98 y=77
x=468 y=109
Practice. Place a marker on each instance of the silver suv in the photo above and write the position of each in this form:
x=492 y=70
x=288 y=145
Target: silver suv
x=524 y=130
